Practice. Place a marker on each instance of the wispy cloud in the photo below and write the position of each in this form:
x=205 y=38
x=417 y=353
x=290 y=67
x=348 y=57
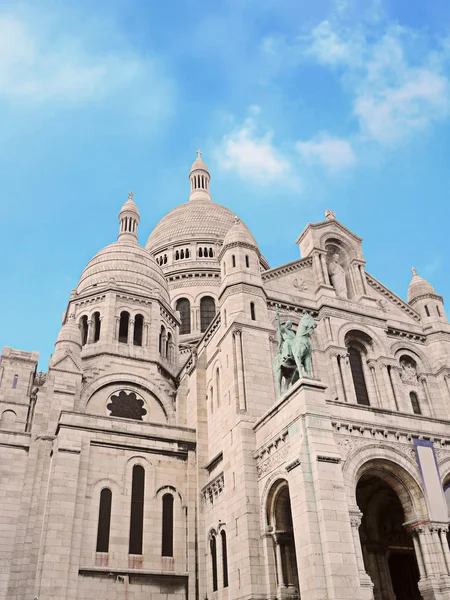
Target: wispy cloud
x=252 y=154
x=332 y=153
x=398 y=81
x=49 y=69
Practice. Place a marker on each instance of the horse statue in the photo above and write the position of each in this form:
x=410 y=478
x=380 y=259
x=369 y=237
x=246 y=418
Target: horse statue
x=294 y=351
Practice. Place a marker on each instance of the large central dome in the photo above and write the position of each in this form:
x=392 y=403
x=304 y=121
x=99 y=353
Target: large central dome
x=202 y=220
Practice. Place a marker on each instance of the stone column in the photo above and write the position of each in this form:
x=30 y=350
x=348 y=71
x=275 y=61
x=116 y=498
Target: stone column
x=279 y=554
x=348 y=379
x=337 y=378
x=419 y=558
x=391 y=403
x=323 y=264
x=90 y=332
x=130 y=336
x=440 y=560
x=318 y=268
x=366 y=582
x=116 y=329
x=373 y=374
x=423 y=381
x=146 y=333
x=363 y=278
x=423 y=542
x=399 y=390
x=371 y=392
x=444 y=544
x=269 y=554
x=240 y=370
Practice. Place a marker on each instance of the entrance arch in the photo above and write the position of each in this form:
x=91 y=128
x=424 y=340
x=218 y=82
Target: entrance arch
x=387 y=547
x=279 y=520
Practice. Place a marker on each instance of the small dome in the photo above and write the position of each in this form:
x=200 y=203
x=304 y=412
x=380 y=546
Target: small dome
x=199 y=163
x=419 y=287
x=130 y=205
x=239 y=233
x=69 y=334
x=128 y=265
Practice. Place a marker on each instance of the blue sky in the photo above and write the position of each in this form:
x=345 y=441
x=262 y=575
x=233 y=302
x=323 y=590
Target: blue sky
x=297 y=107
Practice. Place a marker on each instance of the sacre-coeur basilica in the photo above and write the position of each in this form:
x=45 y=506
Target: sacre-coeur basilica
x=212 y=427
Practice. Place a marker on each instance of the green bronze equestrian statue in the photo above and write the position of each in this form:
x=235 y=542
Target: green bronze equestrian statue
x=294 y=351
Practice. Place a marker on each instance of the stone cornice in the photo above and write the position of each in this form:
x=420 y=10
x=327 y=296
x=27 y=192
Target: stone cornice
x=291 y=267
x=239 y=245
x=326 y=224
x=392 y=297
x=214 y=488
x=423 y=296
x=408 y=335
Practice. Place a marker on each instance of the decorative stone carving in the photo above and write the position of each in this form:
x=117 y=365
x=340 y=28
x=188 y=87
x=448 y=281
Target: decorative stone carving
x=330 y=215
x=337 y=277
x=273 y=460
x=408 y=372
x=383 y=305
x=213 y=489
x=40 y=378
x=127 y=406
x=300 y=284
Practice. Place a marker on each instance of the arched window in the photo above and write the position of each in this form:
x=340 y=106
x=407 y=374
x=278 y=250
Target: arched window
x=207 y=312
x=104 y=520
x=205 y=252
x=247 y=261
x=233 y=260
x=137 y=510
x=211 y=396
x=123 y=326
x=177 y=255
x=218 y=386
x=138 y=330
x=415 y=403
x=165 y=258
x=211 y=253
x=15 y=382
x=187 y=253
x=213 y=548
x=200 y=253
x=8 y=419
x=426 y=310
x=96 y=324
x=252 y=311
x=182 y=254
x=184 y=307
x=162 y=336
x=438 y=311
x=223 y=535
x=168 y=346
x=359 y=381
x=84 y=329
x=167 y=525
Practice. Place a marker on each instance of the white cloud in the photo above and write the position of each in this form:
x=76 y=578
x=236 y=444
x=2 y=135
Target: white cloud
x=397 y=80
x=46 y=68
x=251 y=155
x=332 y=153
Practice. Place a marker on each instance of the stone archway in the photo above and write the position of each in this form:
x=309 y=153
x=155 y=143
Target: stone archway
x=388 y=549
x=279 y=517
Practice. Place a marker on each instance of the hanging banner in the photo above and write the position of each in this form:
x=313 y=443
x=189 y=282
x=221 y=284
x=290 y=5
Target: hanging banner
x=431 y=479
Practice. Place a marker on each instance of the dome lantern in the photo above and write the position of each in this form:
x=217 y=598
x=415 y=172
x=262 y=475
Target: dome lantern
x=129 y=220
x=199 y=178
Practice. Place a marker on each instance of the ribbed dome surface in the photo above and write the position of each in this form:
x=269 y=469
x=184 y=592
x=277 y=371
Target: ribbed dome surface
x=418 y=287
x=194 y=220
x=129 y=265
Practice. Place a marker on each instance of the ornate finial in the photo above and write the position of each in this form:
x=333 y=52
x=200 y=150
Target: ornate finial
x=329 y=214
x=130 y=196
x=199 y=152
x=236 y=220
x=414 y=272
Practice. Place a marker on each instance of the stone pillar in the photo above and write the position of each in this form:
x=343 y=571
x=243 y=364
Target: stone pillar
x=363 y=278
x=318 y=268
x=90 y=332
x=271 y=572
x=146 y=333
x=373 y=374
x=438 y=550
x=279 y=563
x=323 y=264
x=366 y=582
x=326 y=569
x=399 y=390
x=444 y=544
x=116 y=329
x=348 y=379
x=130 y=335
x=389 y=394
x=337 y=378
x=423 y=381
x=371 y=392
x=242 y=404
x=419 y=558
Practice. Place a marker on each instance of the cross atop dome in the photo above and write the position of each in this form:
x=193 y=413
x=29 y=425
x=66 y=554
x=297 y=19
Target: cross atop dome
x=199 y=153
x=130 y=196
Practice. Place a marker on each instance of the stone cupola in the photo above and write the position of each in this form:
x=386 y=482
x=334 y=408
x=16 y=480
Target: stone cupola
x=424 y=298
x=129 y=220
x=199 y=178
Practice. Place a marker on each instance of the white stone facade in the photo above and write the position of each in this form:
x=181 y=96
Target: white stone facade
x=155 y=460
